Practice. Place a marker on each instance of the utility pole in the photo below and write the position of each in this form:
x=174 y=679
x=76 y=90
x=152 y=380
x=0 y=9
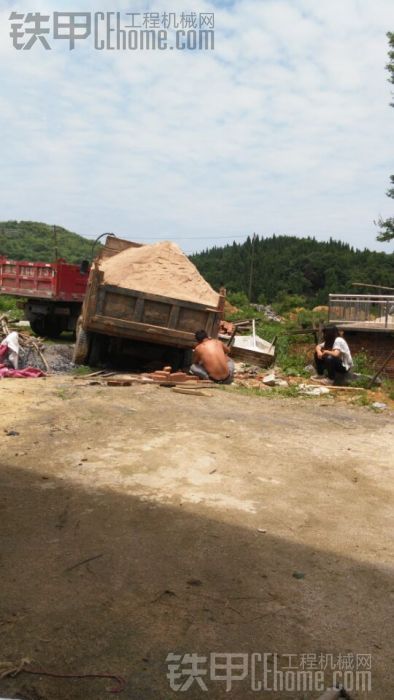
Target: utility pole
x=55 y=241
x=251 y=268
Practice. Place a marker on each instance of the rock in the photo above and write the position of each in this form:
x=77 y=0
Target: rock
x=310 y=390
x=310 y=369
x=269 y=380
x=298 y=575
x=268 y=312
x=281 y=382
x=379 y=406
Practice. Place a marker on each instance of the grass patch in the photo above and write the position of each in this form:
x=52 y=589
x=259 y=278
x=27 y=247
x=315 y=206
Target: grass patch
x=362 y=364
x=388 y=388
x=82 y=370
x=286 y=392
x=63 y=394
x=8 y=307
x=362 y=400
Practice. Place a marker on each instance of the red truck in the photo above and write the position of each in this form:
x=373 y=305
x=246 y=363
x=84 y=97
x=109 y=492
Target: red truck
x=53 y=292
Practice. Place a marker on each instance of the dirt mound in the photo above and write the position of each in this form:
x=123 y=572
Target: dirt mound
x=160 y=269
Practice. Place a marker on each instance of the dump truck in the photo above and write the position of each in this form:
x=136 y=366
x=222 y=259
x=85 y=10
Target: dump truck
x=143 y=304
x=52 y=293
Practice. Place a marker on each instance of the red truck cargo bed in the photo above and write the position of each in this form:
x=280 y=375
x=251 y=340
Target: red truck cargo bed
x=58 y=281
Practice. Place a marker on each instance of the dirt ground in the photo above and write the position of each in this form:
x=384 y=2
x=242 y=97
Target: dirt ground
x=227 y=524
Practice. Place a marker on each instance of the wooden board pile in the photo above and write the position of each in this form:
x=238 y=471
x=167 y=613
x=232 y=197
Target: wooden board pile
x=164 y=377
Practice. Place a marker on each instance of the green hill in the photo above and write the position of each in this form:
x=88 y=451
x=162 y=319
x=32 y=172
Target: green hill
x=30 y=240
x=282 y=265
x=303 y=267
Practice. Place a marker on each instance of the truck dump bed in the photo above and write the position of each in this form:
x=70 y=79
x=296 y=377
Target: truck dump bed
x=151 y=295
x=136 y=314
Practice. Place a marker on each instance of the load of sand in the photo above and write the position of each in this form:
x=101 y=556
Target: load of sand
x=160 y=268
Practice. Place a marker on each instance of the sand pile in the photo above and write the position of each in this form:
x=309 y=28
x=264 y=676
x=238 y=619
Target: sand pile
x=160 y=269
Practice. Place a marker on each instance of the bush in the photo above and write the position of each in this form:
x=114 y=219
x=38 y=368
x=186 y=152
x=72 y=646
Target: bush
x=238 y=299
x=286 y=302
x=8 y=307
x=362 y=363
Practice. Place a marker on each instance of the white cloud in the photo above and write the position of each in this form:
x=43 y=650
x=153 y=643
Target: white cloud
x=284 y=127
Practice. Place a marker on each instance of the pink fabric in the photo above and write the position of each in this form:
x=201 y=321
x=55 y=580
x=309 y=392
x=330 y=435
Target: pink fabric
x=3 y=351
x=27 y=373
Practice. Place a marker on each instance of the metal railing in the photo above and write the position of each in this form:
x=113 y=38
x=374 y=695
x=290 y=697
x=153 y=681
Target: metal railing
x=365 y=310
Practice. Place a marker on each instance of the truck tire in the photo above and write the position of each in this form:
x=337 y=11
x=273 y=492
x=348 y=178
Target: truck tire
x=94 y=350
x=81 y=348
x=38 y=326
x=52 y=328
x=46 y=327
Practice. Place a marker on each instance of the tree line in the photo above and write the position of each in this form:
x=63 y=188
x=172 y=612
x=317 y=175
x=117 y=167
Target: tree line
x=267 y=269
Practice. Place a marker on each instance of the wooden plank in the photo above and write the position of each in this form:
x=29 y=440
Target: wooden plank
x=189 y=384
x=181 y=390
x=100 y=301
x=156 y=297
x=331 y=387
x=120 y=382
x=174 y=316
x=144 y=328
x=139 y=309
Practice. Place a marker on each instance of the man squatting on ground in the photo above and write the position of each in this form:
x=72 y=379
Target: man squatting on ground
x=333 y=355
x=210 y=360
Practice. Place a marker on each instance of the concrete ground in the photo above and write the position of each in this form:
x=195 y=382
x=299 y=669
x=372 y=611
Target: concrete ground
x=227 y=524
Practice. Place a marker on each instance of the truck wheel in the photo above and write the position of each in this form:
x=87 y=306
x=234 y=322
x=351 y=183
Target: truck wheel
x=95 y=350
x=46 y=327
x=38 y=326
x=81 y=349
x=52 y=328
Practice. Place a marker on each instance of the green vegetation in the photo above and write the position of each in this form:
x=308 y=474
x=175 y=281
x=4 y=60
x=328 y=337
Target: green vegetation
x=64 y=393
x=290 y=392
x=388 y=388
x=293 y=352
x=387 y=226
x=363 y=364
x=362 y=400
x=29 y=240
x=304 y=269
x=82 y=370
x=8 y=307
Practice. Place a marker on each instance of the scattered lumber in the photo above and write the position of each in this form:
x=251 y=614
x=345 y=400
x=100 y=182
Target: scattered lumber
x=26 y=341
x=193 y=392
x=344 y=388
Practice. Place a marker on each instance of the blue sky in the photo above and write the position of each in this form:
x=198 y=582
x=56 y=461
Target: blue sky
x=284 y=128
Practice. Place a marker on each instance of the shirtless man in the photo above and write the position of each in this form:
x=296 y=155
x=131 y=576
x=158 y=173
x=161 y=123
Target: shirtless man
x=211 y=361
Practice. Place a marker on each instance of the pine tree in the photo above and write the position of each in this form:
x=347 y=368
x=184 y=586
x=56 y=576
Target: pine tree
x=387 y=225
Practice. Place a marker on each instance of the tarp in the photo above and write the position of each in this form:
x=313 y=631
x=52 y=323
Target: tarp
x=27 y=373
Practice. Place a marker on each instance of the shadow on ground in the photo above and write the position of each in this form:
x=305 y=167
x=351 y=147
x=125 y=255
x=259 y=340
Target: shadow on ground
x=165 y=580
